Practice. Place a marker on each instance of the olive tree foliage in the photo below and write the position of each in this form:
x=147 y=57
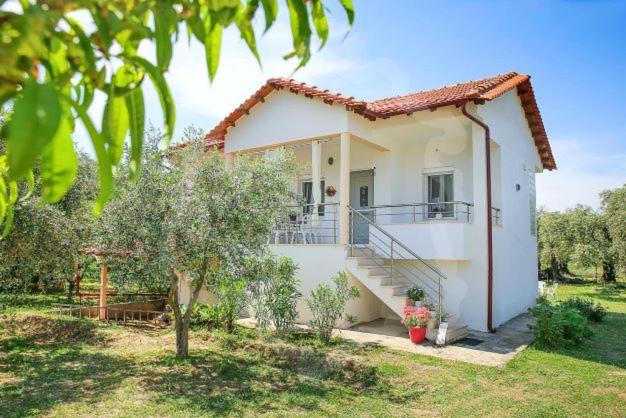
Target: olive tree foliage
x=584 y=236
x=555 y=243
x=55 y=55
x=42 y=253
x=593 y=244
x=195 y=220
x=614 y=209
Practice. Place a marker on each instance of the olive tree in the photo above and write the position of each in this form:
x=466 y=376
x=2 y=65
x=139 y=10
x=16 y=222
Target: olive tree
x=55 y=55
x=42 y=253
x=593 y=244
x=614 y=210
x=555 y=243
x=196 y=219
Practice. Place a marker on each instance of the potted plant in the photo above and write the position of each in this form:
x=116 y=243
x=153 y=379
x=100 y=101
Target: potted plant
x=416 y=319
x=416 y=295
x=293 y=216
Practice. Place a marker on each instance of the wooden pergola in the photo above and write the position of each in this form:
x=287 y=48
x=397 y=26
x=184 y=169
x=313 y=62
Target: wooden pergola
x=101 y=256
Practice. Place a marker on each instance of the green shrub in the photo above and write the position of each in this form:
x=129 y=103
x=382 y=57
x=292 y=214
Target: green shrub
x=204 y=316
x=327 y=305
x=558 y=326
x=274 y=290
x=587 y=308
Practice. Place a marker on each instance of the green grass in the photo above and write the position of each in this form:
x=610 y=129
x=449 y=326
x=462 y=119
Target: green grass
x=56 y=366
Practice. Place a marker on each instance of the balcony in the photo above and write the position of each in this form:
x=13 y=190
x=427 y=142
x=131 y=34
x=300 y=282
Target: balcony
x=303 y=226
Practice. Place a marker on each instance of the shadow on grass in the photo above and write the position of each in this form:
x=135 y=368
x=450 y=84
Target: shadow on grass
x=46 y=364
x=259 y=379
x=606 y=346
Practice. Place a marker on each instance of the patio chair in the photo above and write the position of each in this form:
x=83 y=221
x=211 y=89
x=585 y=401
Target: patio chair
x=305 y=231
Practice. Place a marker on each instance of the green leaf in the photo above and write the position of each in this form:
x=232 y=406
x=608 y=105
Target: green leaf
x=165 y=96
x=300 y=30
x=349 y=8
x=163 y=37
x=104 y=163
x=212 y=45
x=36 y=116
x=247 y=34
x=135 y=105
x=115 y=126
x=8 y=218
x=319 y=21
x=270 y=8
x=58 y=163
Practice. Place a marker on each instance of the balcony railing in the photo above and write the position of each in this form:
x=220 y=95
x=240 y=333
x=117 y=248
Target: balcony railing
x=419 y=212
x=300 y=226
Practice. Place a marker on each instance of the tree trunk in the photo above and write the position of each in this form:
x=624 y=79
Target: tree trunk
x=181 y=320
x=182 y=339
x=608 y=272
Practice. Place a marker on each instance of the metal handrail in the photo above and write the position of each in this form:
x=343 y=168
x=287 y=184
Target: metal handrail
x=450 y=210
x=393 y=253
x=391 y=237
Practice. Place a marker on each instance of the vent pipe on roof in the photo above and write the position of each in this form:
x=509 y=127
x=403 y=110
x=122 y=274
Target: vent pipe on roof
x=483 y=125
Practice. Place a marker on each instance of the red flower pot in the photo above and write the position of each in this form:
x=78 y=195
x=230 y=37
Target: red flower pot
x=417 y=334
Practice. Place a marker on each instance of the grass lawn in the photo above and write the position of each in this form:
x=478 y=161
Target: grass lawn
x=57 y=366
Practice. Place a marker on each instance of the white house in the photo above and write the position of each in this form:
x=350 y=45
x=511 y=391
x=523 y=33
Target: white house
x=398 y=191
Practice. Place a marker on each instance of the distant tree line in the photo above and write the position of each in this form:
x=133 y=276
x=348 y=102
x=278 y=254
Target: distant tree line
x=584 y=236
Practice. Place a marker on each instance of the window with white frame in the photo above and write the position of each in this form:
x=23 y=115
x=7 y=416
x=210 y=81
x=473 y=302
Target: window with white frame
x=440 y=195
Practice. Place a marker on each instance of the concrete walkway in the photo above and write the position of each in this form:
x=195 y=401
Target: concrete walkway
x=495 y=350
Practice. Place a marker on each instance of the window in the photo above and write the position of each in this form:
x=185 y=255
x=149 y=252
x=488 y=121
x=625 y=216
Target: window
x=440 y=194
x=533 y=203
x=307 y=194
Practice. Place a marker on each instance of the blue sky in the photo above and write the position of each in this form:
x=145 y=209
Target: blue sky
x=574 y=51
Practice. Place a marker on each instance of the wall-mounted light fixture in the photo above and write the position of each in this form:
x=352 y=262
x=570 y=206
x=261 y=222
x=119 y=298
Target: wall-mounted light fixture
x=517 y=187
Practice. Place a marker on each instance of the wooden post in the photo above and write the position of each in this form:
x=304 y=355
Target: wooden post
x=104 y=281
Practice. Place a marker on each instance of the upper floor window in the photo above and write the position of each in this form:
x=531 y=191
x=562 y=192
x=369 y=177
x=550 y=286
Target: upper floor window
x=440 y=195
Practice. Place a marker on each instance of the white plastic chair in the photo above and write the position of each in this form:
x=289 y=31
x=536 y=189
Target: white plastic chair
x=304 y=231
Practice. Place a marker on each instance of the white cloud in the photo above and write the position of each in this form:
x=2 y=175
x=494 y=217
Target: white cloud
x=582 y=174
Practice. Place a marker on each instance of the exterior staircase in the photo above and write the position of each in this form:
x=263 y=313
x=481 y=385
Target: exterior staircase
x=374 y=273
x=388 y=268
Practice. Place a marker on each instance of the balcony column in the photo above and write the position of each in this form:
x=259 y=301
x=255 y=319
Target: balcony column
x=344 y=189
x=316 y=179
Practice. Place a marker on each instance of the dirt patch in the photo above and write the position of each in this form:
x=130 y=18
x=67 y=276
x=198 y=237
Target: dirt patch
x=309 y=361
x=40 y=330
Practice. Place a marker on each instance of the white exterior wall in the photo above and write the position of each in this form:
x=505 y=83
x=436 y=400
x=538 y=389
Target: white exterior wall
x=425 y=142
x=317 y=265
x=515 y=249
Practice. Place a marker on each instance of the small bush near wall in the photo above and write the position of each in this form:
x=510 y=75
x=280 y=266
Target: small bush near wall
x=558 y=325
x=587 y=308
x=328 y=305
x=274 y=292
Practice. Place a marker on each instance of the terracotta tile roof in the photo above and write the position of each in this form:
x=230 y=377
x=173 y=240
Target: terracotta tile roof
x=478 y=91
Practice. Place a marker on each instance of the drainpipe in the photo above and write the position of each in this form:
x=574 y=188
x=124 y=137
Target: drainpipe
x=489 y=219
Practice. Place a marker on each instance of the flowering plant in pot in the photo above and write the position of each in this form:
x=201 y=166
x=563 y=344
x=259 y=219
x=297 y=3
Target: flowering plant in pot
x=416 y=295
x=416 y=320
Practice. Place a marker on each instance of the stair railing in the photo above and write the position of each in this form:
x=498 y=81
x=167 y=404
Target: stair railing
x=382 y=243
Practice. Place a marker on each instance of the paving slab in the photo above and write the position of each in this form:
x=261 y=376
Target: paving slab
x=496 y=349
